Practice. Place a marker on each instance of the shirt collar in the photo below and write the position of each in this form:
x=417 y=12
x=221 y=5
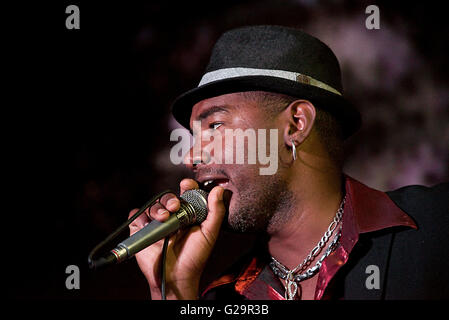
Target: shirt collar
x=374 y=210
x=368 y=210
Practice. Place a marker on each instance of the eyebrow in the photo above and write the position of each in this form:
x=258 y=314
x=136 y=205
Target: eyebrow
x=207 y=113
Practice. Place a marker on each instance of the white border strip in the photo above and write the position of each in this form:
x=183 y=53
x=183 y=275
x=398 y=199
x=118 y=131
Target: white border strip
x=227 y=73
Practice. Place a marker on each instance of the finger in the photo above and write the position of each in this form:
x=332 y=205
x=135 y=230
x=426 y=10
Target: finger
x=159 y=212
x=211 y=226
x=170 y=202
x=140 y=222
x=188 y=184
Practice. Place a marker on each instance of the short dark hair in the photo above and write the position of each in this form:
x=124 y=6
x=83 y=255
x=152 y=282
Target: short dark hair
x=328 y=128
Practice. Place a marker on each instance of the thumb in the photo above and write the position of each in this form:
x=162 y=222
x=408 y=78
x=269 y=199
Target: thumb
x=216 y=212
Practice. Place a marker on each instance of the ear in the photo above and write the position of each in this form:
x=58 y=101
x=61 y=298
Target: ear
x=301 y=117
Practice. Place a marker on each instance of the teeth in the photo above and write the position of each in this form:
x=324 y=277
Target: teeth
x=208 y=182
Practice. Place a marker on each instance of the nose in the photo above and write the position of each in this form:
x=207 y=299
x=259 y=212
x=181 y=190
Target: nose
x=193 y=159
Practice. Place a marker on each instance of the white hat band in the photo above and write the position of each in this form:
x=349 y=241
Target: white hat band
x=228 y=73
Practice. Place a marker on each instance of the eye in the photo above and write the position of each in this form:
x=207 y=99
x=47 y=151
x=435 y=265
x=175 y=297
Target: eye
x=215 y=125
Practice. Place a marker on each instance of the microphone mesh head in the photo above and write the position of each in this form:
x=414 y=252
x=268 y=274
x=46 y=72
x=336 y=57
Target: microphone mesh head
x=197 y=198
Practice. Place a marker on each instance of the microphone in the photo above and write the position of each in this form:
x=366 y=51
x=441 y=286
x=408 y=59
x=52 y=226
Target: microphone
x=193 y=210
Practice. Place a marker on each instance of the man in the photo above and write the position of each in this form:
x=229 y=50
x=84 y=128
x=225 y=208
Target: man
x=327 y=235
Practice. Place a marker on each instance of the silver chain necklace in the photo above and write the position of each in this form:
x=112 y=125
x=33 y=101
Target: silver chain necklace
x=295 y=276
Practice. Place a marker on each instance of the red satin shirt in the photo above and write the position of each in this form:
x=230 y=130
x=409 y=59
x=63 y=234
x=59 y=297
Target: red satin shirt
x=365 y=210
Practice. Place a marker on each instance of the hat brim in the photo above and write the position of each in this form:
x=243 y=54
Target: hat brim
x=344 y=112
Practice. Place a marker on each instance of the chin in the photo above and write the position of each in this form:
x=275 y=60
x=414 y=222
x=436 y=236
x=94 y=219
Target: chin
x=231 y=213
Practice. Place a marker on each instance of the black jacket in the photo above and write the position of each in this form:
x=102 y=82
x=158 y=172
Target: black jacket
x=413 y=264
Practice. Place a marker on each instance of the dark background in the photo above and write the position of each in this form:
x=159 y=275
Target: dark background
x=91 y=140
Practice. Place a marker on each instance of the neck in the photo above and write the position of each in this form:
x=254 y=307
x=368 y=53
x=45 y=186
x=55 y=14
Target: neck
x=318 y=197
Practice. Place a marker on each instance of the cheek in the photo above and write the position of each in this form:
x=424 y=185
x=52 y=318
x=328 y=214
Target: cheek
x=233 y=147
x=245 y=178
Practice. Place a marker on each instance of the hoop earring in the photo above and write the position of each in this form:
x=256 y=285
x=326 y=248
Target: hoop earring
x=293 y=150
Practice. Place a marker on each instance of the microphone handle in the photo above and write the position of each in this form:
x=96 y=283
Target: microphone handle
x=151 y=233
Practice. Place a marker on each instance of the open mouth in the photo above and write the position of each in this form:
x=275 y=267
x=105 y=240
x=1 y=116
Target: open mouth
x=208 y=185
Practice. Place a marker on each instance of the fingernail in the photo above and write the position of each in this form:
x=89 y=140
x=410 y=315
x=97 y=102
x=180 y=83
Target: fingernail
x=162 y=212
x=220 y=194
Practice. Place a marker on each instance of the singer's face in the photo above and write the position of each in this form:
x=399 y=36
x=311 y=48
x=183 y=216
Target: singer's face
x=256 y=194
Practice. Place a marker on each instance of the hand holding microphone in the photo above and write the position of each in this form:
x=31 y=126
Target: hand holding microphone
x=188 y=249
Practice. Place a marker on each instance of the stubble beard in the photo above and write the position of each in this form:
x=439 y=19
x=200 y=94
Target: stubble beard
x=263 y=206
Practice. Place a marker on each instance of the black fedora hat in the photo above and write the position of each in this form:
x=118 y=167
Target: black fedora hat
x=275 y=59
